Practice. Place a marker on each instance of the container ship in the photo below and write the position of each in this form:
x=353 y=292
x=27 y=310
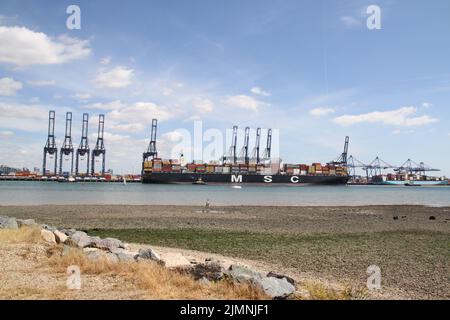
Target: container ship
x=409 y=180
x=242 y=169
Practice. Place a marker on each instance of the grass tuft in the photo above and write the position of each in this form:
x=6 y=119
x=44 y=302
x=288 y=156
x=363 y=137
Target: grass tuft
x=157 y=281
x=21 y=235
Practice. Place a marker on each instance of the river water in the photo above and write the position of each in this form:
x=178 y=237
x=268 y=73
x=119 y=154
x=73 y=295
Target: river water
x=37 y=193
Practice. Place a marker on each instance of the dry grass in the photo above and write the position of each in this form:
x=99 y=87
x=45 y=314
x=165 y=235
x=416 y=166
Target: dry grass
x=21 y=235
x=156 y=281
x=321 y=292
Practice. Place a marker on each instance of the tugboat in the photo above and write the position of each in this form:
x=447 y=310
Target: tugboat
x=199 y=181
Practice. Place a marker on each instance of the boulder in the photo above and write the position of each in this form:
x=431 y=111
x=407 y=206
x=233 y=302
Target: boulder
x=108 y=244
x=48 y=236
x=209 y=271
x=175 y=260
x=274 y=287
x=8 y=223
x=47 y=227
x=241 y=274
x=148 y=254
x=60 y=237
x=80 y=239
x=68 y=232
x=281 y=276
x=26 y=223
x=124 y=255
x=93 y=254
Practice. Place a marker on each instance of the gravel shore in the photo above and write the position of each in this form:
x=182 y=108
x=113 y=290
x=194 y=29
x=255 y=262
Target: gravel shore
x=411 y=244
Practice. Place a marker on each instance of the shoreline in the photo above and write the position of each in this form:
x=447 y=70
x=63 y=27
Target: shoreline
x=409 y=243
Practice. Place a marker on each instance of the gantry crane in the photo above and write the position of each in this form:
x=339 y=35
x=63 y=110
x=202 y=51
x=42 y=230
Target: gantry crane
x=151 y=149
x=67 y=147
x=243 y=156
x=255 y=153
x=83 y=148
x=231 y=156
x=267 y=151
x=50 y=147
x=99 y=149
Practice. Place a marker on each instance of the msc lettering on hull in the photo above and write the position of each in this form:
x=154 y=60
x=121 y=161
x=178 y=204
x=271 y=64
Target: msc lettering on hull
x=236 y=178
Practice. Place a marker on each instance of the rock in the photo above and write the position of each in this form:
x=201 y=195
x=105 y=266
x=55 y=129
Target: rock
x=8 y=223
x=175 y=260
x=47 y=227
x=281 y=276
x=209 y=271
x=432 y=218
x=26 y=223
x=124 y=255
x=112 y=257
x=94 y=254
x=108 y=244
x=242 y=274
x=48 y=236
x=60 y=237
x=68 y=232
x=274 y=287
x=149 y=254
x=80 y=239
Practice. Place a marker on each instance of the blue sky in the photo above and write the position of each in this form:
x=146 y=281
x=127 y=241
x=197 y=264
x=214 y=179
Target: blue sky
x=311 y=69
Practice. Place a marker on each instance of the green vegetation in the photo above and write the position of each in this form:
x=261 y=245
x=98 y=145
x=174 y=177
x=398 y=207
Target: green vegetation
x=400 y=255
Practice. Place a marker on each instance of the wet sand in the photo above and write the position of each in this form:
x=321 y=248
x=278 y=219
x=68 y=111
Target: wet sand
x=411 y=244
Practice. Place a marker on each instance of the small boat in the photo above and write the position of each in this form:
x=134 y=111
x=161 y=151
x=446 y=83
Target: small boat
x=199 y=181
x=413 y=185
x=236 y=187
x=124 y=181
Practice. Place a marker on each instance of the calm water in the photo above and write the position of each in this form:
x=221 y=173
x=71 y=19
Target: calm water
x=34 y=193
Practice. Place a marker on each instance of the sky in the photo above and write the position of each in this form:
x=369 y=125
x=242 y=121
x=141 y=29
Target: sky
x=311 y=70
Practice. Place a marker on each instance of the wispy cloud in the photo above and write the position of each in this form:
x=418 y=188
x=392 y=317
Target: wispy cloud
x=260 y=92
x=405 y=116
x=116 y=78
x=9 y=86
x=245 y=102
x=321 y=111
x=41 y=83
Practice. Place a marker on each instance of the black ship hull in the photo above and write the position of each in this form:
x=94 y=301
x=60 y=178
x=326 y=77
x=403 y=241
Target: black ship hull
x=238 y=178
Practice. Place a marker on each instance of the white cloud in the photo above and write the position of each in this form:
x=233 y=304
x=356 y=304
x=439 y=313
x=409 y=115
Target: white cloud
x=34 y=100
x=118 y=77
x=427 y=105
x=321 y=111
x=349 y=21
x=141 y=112
x=23 y=47
x=245 y=102
x=404 y=116
x=9 y=87
x=41 y=83
x=128 y=127
x=259 y=91
x=22 y=111
x=203 y=105
x=82 y=96
x=113 y=105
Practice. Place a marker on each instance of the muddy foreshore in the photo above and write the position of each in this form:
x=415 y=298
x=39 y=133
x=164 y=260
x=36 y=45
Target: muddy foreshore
x=409 y=243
